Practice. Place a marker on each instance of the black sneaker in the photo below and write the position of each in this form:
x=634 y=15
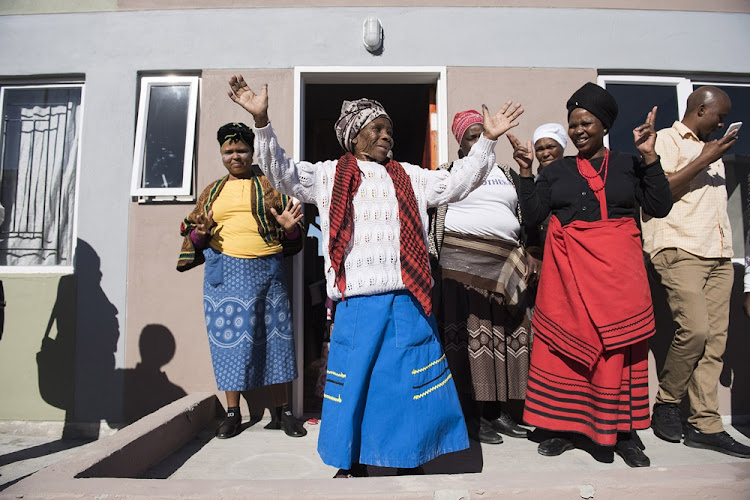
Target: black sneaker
x=667 y=422
x=717 y=441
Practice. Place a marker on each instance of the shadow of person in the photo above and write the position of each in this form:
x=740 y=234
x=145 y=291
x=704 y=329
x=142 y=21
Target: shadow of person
x=147 y=387
x=56 y=364
x=660 y=342
x=56 y=356
x=98 y=385
x=736 y=371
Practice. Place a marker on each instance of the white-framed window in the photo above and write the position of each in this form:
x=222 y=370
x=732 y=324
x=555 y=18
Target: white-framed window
x=637 y=94
x=165 y=136
x=39 y=158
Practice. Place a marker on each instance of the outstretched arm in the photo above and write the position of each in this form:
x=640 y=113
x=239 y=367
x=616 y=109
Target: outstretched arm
x=469 y=172
x=297 y=179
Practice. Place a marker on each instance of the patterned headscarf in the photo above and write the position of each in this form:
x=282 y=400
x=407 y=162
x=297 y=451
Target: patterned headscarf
x=235 y=132
x=355 y=115
x=464 y=120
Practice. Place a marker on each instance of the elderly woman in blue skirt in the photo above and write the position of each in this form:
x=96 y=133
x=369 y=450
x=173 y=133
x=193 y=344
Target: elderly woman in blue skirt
x=389 y=397
x=241 y=227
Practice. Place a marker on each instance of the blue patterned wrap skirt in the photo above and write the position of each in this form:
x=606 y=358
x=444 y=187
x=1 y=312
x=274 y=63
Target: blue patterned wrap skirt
x=248 y=321
x=389 y=396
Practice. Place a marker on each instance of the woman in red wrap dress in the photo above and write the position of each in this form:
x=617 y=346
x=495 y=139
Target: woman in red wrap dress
x=593 y=316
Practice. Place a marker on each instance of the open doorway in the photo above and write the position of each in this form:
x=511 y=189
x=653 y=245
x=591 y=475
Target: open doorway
x=412 y=107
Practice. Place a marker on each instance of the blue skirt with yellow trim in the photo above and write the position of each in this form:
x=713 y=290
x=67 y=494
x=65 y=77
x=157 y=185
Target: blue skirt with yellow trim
x=389 y=399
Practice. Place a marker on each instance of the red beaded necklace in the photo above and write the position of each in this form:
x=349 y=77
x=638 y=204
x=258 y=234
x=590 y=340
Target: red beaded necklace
x=587 y=170
x=595 y=180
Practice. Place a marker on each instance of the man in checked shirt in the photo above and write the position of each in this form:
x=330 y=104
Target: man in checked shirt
x=691 y=252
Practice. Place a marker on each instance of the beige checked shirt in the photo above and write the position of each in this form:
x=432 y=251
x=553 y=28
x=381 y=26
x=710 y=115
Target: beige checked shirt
x=698 y=222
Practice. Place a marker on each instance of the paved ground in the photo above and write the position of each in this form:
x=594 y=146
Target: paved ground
x=267 y=458
x=258 y=453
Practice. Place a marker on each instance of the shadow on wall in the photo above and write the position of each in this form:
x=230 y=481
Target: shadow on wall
x=77 y=367
x=147 y=387
x=98 y=386
x=736 y=372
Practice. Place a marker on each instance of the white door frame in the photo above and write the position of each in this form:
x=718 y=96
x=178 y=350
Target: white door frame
x=304 y=75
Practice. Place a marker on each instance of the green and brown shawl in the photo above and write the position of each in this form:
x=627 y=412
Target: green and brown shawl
x=263 y=198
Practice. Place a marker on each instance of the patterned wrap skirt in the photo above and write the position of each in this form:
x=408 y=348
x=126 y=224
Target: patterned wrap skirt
x=248 y=320
x=389 y=397
x=483 y=318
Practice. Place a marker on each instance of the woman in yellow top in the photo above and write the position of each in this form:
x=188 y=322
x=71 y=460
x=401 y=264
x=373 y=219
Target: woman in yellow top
x=241 y=227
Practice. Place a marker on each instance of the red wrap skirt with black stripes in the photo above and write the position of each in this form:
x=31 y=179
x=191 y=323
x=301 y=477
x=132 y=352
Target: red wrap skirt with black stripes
x=589 y=361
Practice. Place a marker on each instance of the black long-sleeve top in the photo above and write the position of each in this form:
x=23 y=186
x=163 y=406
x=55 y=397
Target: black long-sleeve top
x=561 y=190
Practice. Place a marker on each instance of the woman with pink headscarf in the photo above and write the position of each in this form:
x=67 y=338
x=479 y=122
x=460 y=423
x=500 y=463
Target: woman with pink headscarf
x=481 y=294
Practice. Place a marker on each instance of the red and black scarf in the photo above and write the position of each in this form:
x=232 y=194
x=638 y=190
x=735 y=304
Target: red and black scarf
x=415 y=267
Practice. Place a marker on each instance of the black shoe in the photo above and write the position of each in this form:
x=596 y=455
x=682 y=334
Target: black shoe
x=667 y=422
x=229 y=428
x=505 y=424
x=486 y=434
x=275 y=423
x=356 y=470
x=555 y=446
x=292 y=427
x=632 y=455
x=717 y=441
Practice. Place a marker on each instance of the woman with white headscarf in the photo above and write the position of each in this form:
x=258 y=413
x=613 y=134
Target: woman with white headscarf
x=547 y=144
x=389 y=398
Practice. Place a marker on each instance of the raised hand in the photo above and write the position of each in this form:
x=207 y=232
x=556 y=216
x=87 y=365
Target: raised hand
x=524 y=156
x=502 y=121
x=203 y=224
x=255 y=104
x=289 y=217
x=645 y=138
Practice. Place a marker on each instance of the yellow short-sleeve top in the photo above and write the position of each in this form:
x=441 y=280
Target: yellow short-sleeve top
x=236 y=233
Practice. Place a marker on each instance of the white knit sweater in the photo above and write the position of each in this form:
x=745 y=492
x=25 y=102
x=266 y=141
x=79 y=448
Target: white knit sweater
x=372 y=258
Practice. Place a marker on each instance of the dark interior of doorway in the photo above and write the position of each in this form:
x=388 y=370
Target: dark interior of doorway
x=408 y=105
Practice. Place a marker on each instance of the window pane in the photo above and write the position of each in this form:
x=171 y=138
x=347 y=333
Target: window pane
x=737 y=164
x=39 y=161
x=164 y=152
x=634 y=102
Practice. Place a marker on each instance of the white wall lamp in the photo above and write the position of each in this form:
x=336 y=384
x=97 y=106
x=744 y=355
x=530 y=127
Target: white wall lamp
x=372 y=34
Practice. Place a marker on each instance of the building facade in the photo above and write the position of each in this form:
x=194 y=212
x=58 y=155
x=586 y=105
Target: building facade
x=110 y=110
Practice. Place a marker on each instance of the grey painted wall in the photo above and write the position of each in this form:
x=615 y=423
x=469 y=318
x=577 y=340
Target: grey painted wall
x=278 y=38
x=111 y=47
